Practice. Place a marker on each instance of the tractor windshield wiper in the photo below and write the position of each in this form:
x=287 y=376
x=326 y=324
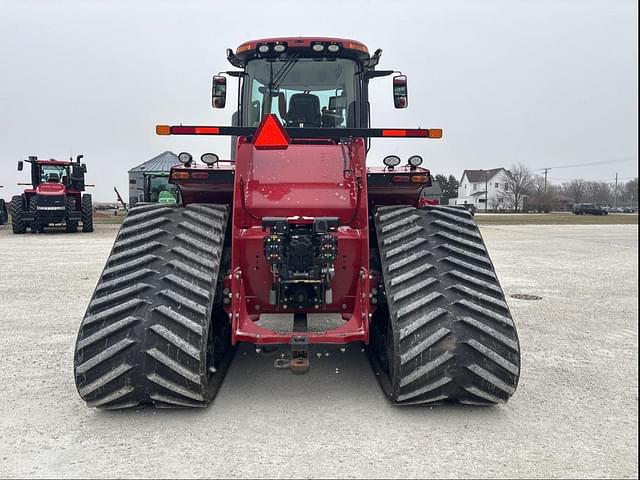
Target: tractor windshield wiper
x=275 y=82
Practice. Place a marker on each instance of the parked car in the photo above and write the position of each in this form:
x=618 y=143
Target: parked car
x=471 y=207
x=588 y=209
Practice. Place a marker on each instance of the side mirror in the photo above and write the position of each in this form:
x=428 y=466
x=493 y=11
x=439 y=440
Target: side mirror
x=219 y=91
x=400 y=96
x=20 y=165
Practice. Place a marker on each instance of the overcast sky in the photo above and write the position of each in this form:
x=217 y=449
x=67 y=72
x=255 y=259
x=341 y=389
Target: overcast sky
x=545 y=83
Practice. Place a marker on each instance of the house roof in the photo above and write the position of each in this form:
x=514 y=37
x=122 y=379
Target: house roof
x=161 y=163
x=477 y=176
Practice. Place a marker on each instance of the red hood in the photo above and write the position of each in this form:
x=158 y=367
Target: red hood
x=301 y=180
x=50 y=189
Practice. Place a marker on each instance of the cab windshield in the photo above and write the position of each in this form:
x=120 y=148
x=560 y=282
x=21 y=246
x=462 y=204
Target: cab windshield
x=53 y=173
x=301 y=92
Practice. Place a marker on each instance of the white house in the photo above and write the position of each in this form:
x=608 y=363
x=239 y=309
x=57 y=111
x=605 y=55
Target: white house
x=483 y=187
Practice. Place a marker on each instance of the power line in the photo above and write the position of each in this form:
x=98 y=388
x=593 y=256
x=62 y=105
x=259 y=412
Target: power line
x=592 y=179
x=606 y=162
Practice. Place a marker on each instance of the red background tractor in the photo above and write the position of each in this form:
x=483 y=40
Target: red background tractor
x=55 y=197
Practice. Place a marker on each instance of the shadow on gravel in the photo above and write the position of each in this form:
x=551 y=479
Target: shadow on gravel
x=337 y=384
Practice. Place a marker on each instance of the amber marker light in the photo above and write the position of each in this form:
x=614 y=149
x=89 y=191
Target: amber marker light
x=180 y=175
x=163 y=130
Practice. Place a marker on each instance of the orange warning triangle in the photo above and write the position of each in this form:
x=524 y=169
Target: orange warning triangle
x=270 y=134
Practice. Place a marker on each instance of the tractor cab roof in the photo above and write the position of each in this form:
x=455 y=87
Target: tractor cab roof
x=53 y=161
x=306 y=46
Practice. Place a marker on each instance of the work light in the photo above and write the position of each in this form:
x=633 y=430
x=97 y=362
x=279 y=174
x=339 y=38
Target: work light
x=209 y=158
x=391 y=161
x=415 y=161
x=185 y=157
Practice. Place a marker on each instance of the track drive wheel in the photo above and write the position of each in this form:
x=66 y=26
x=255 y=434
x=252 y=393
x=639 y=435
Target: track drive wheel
x=16 y=207
x=154 y=332
x=444 y=331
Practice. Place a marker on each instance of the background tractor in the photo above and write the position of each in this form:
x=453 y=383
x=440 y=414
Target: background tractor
x=4 y=214
x=296 y=242
x=55 y=197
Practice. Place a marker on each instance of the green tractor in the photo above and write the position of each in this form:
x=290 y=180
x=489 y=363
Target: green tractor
x=155 y=189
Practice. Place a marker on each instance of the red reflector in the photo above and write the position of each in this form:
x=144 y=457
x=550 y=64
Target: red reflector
x=207 y=131
x=270 y=134
x=180 y=130
x=393 y=133
x=397 y=132
x=199 y=175
x=400 y=179
x=180 y=175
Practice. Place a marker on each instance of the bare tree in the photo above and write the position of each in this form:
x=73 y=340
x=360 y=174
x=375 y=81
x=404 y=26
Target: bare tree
x=630 y=193
x=543 y=195
x=598 y=192
x=518 y=182
x=575 y=190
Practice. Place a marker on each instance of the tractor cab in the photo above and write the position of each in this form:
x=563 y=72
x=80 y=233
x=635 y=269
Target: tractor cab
x=67 y=174
x=306 y=82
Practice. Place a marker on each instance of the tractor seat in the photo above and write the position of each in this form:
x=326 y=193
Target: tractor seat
x=304 y=108
x=53 y=178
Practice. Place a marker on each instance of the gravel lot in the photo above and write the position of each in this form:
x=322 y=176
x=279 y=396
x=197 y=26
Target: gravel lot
x=575 y=413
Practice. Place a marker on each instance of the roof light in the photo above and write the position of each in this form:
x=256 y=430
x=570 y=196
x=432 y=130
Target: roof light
x=415 y=161
x=317 y=47
x=185 y=157
x=270 y=134
x=279 y=48
x=357 y=46
x=263 y=48
x=391 y=161
x=243 y=48
x=333 y=48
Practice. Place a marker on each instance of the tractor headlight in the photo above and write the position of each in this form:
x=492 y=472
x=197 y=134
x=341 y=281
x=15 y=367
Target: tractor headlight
x=415 y=161
x=317 y=47
x=185 y=157
x=279 y=48
x=391 y=161
x=333 y=47
x=209 y=158
x=263 y=48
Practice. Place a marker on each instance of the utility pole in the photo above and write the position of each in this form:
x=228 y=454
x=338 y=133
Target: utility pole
x=546 y=171
x=486 y=192
x=615 y=193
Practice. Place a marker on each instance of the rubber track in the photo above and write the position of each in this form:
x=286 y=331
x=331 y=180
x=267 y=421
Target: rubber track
x=145 y=335
x=453 y=336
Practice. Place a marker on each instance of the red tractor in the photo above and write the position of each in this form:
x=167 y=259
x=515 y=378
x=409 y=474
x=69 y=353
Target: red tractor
x=55 y=197
x=296 y=242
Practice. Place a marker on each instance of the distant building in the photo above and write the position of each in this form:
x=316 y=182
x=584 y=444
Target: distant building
x=150 y=177
x=482 y=188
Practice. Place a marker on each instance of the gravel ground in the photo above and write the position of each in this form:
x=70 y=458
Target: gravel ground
x=575 y=413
